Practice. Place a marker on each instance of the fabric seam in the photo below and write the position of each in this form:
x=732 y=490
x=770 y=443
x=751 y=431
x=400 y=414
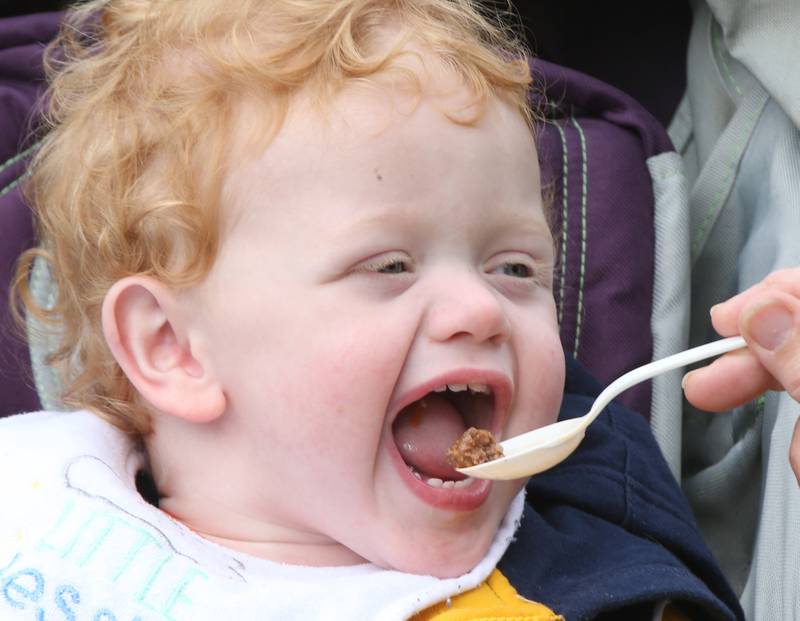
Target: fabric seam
x=16 y=158
x=582 y=262
x=14 y=183
x=564 y=220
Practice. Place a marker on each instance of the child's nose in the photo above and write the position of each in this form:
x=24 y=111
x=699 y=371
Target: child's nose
x=465 y=305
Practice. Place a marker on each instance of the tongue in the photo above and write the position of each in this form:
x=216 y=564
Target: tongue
x=423 y=433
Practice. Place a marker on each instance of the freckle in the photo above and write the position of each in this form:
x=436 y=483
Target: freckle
x=378 y=175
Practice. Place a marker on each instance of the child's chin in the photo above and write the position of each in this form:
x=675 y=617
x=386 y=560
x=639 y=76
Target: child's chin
x=442 y=561
x=441 y=544
x=454 y=569
x=448 y=568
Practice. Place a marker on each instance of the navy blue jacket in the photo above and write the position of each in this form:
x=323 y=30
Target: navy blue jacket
x=608 y=532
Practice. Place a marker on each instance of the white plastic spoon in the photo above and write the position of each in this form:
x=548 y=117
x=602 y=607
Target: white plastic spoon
x=543 y=448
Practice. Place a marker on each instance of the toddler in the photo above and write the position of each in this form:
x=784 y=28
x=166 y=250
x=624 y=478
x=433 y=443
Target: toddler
x=299 y=247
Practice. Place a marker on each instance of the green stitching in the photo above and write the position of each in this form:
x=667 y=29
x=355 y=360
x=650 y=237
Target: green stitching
x=584 y=192
x=723 y=188
x=14 y=183
x=722 y=191
x=721 y=57
x=564 y=222
x=13 y=160
x=761 y=401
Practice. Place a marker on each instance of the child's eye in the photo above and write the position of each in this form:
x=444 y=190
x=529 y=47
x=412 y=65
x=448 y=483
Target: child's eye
x=394 y=267
x=514 y=268
x=517 y=270
x=389 y=264
x=520 y=269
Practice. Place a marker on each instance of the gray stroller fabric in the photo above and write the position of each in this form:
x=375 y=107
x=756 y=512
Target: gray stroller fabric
x=737 y=130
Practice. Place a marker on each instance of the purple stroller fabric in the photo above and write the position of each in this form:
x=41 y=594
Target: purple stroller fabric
x=593 y=147
x=22 y=40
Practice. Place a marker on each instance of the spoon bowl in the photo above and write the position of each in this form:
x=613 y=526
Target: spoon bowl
x=540 y=449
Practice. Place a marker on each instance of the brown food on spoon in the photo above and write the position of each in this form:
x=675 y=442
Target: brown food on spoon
x=475 y=446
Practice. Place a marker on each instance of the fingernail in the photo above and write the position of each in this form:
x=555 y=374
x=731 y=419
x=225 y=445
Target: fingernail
x=713 y=309
x=685 y=378
x=769 y=325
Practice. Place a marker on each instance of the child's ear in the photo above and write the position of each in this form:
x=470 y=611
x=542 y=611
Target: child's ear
x=145 y=326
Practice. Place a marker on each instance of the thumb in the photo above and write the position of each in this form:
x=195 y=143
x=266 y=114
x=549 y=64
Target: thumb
x=770 y=328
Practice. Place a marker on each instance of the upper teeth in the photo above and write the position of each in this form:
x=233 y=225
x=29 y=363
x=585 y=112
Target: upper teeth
x=462 y=387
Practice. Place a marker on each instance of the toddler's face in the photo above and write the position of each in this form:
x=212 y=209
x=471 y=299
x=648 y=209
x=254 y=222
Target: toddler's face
x=372 y=259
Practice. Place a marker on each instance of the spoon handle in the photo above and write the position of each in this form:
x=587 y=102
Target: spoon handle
x=657 y=367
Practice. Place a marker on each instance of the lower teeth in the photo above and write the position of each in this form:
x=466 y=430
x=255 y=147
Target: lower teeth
x=435 y=482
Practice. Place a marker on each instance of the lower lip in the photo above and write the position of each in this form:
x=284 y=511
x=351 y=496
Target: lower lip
x=453 y=499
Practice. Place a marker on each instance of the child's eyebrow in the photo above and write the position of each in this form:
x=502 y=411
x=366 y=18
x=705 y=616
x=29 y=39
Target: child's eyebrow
x=514 y=222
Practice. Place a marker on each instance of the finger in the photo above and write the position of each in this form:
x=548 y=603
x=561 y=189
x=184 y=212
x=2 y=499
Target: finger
x=770 y=327
x=725 y=316
x=729 y=381
x=787 y=279
x=794 y=451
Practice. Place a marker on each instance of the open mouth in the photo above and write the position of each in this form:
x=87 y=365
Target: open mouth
x=427 y=427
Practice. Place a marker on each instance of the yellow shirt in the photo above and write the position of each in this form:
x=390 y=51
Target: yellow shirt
x=496 y=600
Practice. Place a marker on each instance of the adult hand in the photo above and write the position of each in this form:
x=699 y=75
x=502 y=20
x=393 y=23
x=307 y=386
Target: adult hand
x=767 y=315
